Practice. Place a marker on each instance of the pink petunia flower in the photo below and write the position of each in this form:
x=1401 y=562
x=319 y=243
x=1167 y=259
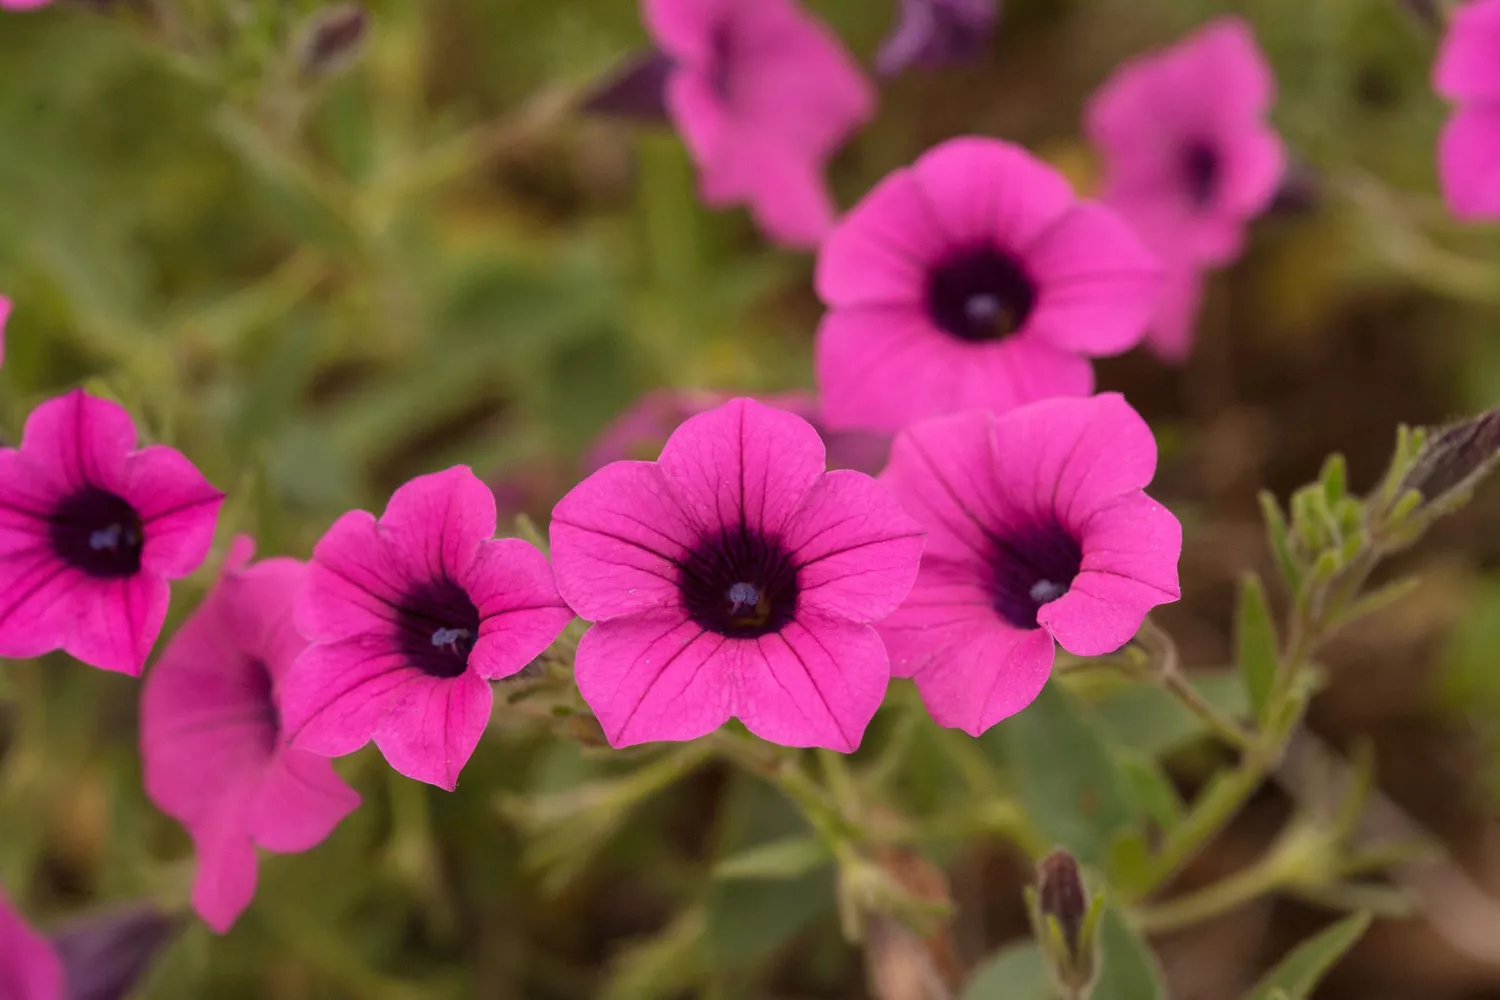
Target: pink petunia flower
x=91 y=530
x=973 y=280
x=1038 y=529
x=1468 y=73
x=1189 y=158
x=733 y=577
x=211 y=740
x=410 y=617
x=29 y=968
x=763 y=94
x=640 y=432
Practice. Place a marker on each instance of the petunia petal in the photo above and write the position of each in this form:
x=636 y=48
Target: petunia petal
x=942 y=472
x=656 y=676
x=335 y=694
x=354 y=582
x=618 y=540
x=38 y=602
x=817 y=682
x=855 y=549
x=984 y=192
x=29 y=968
x=86 y=439
x=1468 y=154
x=880 y=253
x=743 y=464
x=300 y=799
x=1467 y=66
x=1130 y=553
x=684 y=28
x=28 y=495
x=178 y=507
x=430 y=729
x=520 y=612
x=1098 y=284
x=117 y=621
x=1174 y=329
x=984 y=673
x=433 y=524
x=224 y=882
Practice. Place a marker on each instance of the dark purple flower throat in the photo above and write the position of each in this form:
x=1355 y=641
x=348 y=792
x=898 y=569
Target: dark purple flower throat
x=438 y=625
x=980 y=294
x=739 y=584
x=98 y=532
x=1030 y=568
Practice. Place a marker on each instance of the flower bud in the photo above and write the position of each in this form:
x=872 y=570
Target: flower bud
x=1063 y=917
x=637 y=89
x=332 y=38
x=1455 y=458
x=934 y=33
x=105 y=955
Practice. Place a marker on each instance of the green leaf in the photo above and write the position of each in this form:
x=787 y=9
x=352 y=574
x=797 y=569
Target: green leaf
x=1278 y=537
x=1128 y=970
x=1152 y=791
x=1255 y=645
x=1335 y=479
x=787 y=857
x=1299 y=972
x=1066 y=776
x=1018 y=972
x=1147 y=720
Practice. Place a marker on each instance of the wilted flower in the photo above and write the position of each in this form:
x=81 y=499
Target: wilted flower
x=1468 y=73
x=1189 y=158
x=1455 y=458
x=973 y=279
x=1038 y=530
x=104 y=955
x=733 y=578
x=640 y=432
x=763 y=94
x=410 y=617
x=936 y=32
x=637 y=88
x=91 y=530
x=332 y=38
x=212 y=744
x=29 y=969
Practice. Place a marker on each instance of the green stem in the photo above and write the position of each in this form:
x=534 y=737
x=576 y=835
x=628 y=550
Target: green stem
x=1260 y=879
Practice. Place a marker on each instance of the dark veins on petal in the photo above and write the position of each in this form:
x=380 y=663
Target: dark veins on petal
x=98 y=532
x=739 y=583
x=1201 y=166
x=437 y=627
x=1031 y=567
x=980 y=294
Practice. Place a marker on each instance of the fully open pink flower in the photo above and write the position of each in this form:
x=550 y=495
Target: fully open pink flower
x=29 y=968
x=1468 y=73
x=91 y=530
x=410 y=617
x=211 y=740
x=1189 y=158
x=763 y=94
x=641 y=431
x=973 y=280
x=733 y=577
x=1037 y=530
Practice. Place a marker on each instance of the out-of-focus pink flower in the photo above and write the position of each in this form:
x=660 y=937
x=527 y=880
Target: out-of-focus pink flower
x=212 y=746
x=733 y=577
x=1468 y=73
x=1038 y=530
x=973 y=279
x=936 y=32
x=763 y=94
x=23 y=4
x=1189 y=158
x=29 y=968
x=410 y=617
x=640 y=432
x=91 y=530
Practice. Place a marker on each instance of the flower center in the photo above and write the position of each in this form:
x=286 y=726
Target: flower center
x=439 y=625
x=1200 y=171
x=262 y=689
x=721 y=54
x=98 y=532
x=740 y=584
x=1032 y=567
x=980 y=294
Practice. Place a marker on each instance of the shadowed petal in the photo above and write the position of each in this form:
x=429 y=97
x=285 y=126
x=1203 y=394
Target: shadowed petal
x=881 y=251
x=431 y=727
x=520 y=612
x=942 y=472
x=635 y=89
x=178 y=507
x=1130 y=553
x=1175 y=327
x=815 y=683
x=983 y=672
x=855 y=549
x=224 y=882
x=300 y=800
x=618 y=540
x=656 y=676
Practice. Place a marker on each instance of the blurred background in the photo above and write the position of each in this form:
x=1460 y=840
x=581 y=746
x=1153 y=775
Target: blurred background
x=321 y=274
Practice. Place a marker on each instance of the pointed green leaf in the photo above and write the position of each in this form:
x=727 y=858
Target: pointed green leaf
x=1153 y=792
x=1255 y=645
x=1335 y=478
x=1278 y=537
x=1018 y=972
x=1300 y=971
x=1067 y=778
x=1128 y=970
x=787 y=857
